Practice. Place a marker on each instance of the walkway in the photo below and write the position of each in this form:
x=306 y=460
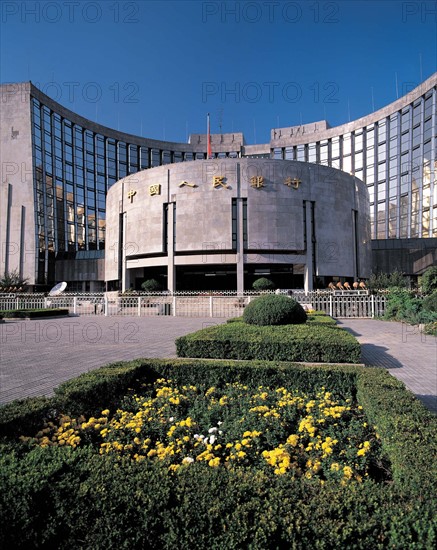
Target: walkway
x=37 y=356
x=409 y=355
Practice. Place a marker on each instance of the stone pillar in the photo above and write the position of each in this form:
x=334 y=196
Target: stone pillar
x=124 y=274
x=240 y=237
x=309 y=268
x=240 y=248
x=171 y=270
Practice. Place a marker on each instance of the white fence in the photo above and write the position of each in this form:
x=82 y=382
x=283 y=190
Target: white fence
x=338 y=304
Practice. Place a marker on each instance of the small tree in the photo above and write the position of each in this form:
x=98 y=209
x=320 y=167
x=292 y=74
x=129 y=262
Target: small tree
x=383 y=281
x=428 y=281
x=12 y=279
x=151 y=285
x=263 y=284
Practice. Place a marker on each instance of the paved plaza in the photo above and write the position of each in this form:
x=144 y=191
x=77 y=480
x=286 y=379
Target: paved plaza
x=408 y=354
x=37 y=356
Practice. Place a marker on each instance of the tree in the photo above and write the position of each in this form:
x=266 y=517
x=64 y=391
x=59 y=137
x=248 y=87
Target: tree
x=383 y=281
x=12 y=279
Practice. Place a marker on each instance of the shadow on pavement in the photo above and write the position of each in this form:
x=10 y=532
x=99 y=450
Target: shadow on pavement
x=430 y=402
x=353 y=332
x=377 y=356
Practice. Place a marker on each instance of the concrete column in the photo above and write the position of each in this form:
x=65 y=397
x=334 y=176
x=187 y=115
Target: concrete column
x=355 y=250
x=240 y=241
x=309 y=268
x=240 y=249
x=124 y=275
x=171 y=269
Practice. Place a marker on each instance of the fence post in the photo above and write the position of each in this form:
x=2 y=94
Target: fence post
x=139 y=306
x=210 y=307
x=330 y=305
x=75 y=305
x=372 y=302
x=105 y=305
x=174 y=306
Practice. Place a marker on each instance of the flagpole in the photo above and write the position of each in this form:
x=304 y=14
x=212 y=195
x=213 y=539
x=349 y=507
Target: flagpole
x=208 y=139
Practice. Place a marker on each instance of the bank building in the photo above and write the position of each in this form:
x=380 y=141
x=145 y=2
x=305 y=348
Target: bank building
x=101 y=209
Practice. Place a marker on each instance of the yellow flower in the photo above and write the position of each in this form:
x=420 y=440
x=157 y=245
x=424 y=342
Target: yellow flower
x=293 y=440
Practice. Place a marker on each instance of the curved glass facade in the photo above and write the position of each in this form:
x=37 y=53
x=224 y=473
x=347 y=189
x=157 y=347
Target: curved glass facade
x=396 y=157
x=76 y=161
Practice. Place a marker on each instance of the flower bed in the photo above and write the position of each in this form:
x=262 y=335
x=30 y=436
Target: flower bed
x=273 y=429
x=108 y=466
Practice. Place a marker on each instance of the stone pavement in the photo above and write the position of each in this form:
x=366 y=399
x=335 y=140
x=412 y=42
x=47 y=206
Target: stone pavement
x=408 y=354
x=37 y=356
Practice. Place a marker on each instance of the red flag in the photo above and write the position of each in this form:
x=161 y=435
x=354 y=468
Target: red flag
x=209 y=149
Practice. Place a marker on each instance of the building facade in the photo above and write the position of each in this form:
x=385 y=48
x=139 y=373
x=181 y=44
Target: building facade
x=220 y=224
x=57 y=168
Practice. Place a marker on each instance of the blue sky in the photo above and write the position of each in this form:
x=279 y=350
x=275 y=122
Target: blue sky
x=156 y=68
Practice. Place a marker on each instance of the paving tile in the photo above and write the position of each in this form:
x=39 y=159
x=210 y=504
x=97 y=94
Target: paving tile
x=409 y=355
x=37 y=356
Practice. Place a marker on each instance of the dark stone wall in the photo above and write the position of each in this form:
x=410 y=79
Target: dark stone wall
x=410 y=256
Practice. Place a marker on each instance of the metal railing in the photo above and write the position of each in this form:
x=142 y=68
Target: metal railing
x=339 y=304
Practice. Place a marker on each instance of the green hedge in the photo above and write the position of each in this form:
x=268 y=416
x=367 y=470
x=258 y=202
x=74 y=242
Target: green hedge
x=274 y=310
x=32 y=313
x=316 y=342
x=65 y=498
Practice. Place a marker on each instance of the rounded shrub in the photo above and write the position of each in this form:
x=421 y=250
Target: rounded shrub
x=151 y=285
x=263 y=284
x=274 y=309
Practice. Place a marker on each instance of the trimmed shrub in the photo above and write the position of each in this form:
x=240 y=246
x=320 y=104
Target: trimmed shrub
x=151 y=285
x=317 y=343
x=274 y=310
x=263 y=284
x=32 y=313
x=60 y=497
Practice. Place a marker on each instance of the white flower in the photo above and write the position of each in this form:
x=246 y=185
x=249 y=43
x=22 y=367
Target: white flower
x=197 y=436
x=171 y=419
x=187 y=460
x=219 y=423
x=212 y=430
x=212 y=440
x=220 y=432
